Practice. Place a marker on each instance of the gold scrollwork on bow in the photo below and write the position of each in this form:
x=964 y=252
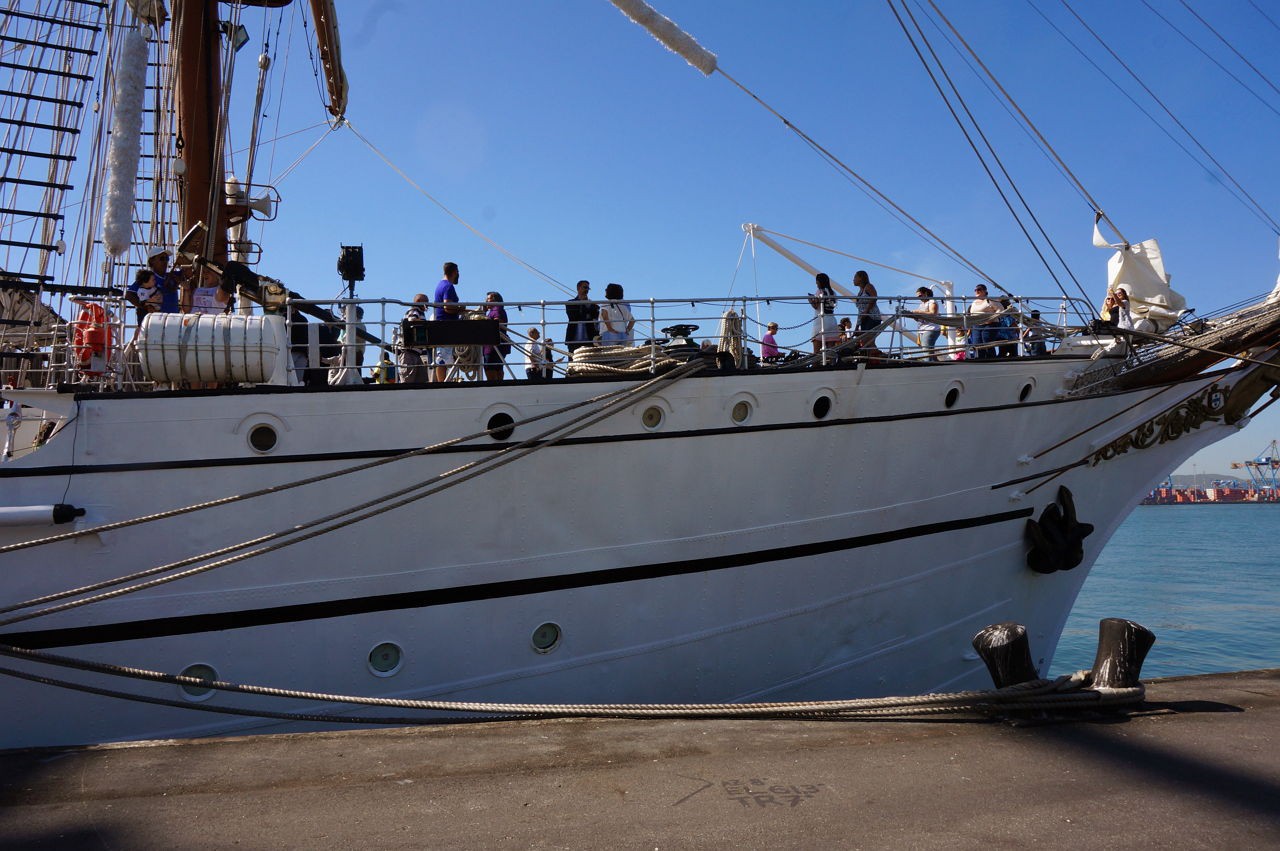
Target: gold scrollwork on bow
x=1205 y=406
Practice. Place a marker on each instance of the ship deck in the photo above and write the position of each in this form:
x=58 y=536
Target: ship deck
x=1197 y=766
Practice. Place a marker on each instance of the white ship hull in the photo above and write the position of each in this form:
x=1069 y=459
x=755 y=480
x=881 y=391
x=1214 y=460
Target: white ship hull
x=784 y=557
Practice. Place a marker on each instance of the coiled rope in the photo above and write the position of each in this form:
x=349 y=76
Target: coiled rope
x=349 y=516
x=617 y=360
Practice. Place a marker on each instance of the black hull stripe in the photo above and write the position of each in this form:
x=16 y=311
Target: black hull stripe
x=192 y=624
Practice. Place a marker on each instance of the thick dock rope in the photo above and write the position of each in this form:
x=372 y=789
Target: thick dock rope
x=1070 y=691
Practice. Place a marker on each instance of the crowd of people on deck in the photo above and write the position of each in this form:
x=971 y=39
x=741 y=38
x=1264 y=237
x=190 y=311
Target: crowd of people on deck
x=587 y=323
x=988 y=328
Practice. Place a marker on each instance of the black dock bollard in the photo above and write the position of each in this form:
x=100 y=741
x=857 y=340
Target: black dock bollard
x=1122 y=647
x=1007 y=653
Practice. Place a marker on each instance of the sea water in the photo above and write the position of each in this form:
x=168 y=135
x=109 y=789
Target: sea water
x=1204 y=578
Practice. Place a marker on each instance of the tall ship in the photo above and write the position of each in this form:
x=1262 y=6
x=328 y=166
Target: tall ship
x=210 y=478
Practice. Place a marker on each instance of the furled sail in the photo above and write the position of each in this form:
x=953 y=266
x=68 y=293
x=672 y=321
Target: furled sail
x=1139 y=270
x=122 y=156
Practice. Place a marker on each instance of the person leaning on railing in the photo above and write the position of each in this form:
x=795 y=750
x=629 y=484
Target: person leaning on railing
x=583 y=314
x=414 y=362
x=928 y=330
x=982 y=312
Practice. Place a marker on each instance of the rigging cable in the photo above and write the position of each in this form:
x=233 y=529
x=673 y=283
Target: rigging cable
x=990 y=149
x=1176 y=141
x=845 y=254
x=509 y=255
x=1097 y=208
x=1260 y=11
x=685 y=46
x=1008 y=110
x=1230 y=47
x=1207 y=55
x=1253 y=204
x=867 y=188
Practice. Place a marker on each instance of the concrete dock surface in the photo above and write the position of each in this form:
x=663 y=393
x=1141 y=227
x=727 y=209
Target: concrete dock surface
x=1198 y=766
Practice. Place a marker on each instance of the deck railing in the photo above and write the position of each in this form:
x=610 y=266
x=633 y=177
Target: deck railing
x=363 y=340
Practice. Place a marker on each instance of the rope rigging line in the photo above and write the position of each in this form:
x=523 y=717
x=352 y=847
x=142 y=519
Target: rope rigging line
x=866 y=186
x=955 y=92
x=1207 y=55
x=742 y=252
x=371 y=508
x=1244 y=195
x=329 y=129
x=997 y=98
x=1124 y=92
x=1009 y=109
x=1230 y=47
x=1067 y=690
x=509 y=255
x=1261 y=12
x=1048 y=148
x=839 y=253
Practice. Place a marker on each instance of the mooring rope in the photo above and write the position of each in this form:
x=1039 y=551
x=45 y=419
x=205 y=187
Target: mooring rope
x=1069 y=690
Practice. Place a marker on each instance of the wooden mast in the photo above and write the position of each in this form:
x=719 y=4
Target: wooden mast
x=197 y=45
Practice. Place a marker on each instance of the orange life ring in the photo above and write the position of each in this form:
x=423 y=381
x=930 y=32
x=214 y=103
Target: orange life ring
x=91 y=335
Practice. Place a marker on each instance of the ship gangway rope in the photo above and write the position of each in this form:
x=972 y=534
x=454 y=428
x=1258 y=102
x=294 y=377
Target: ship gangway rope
x=1069 y=691
x=348 y=516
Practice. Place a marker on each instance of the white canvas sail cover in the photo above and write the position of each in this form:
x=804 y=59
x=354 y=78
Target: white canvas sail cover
x=1139 y=270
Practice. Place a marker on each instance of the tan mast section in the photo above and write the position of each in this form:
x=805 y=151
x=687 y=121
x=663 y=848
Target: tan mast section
x=196 y=42
x=198 y=98
x=326 y=20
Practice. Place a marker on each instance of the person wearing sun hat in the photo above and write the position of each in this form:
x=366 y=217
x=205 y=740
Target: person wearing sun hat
x=155 y=289
x=768 y=344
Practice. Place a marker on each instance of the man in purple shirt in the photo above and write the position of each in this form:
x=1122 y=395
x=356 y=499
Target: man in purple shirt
x=447 y=307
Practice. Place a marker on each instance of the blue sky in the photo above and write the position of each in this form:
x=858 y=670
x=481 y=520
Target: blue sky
x=563 y=132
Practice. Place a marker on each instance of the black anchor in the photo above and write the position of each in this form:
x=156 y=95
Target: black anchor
x=1057 y=540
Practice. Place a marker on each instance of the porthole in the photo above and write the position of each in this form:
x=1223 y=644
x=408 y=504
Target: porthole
x=198 y=672
x=504 y=423
x=741 y=412
x=652 y=417
x=263 y=438
x=821 y=407
x=386 y=659
x=546 y=638
x=953 y=396
x=1025 y=391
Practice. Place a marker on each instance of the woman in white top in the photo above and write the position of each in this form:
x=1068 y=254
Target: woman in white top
x=826 y=333
x=928 y=330
x=616 y=320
